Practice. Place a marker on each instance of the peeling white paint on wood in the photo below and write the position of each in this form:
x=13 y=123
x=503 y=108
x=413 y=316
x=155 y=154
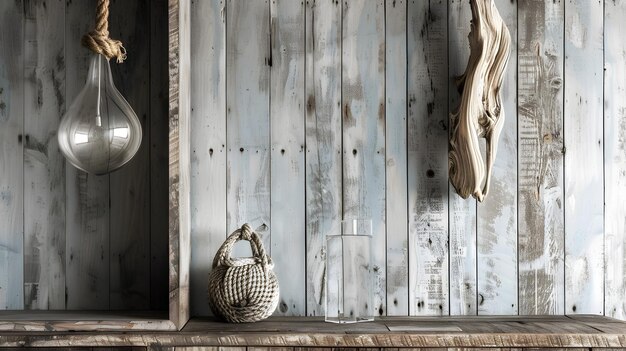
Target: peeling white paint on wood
x=248 y=123
x=287 y=154
x=323 y=141
x=615 y=157
x=363 y=115
x=428 y=158
x=540 y=157
x=462 y=216
x=497 y=215
x=396 y=157
x=583 y=133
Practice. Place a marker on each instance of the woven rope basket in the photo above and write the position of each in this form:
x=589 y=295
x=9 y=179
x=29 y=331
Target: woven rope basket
x=243 y=290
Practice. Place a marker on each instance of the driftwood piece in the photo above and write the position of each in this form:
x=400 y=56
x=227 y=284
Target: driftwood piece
x=480 y=114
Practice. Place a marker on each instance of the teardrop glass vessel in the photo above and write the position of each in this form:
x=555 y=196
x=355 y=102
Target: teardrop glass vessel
x=100 y=132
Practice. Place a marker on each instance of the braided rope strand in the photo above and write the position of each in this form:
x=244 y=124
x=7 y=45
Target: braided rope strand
x=98 y=39
x=243 y=290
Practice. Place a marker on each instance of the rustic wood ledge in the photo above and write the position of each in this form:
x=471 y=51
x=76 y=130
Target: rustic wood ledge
x=414 y=332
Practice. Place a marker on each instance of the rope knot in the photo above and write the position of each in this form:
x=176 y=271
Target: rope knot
x=98 y=40
x=246 y=232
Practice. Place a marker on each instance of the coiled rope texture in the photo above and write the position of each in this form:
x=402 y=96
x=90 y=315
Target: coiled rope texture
x=243 y=290
x=98 y=39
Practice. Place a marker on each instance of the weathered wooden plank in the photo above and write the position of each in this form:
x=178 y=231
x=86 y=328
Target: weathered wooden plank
x=208 y=144
x=396 y=157
x=462 y=213
x=497 y=215
x=11 y=154
x=130 y=185
x=584 y=207
x=323 y=141
x=540 y=145
x=615 y=158
x=87 y=196
x=44 y=165
x=247 y=103
x=158 y=156
x=179 y=57
x=363 y=94
x=428 y=157
x=288 y=221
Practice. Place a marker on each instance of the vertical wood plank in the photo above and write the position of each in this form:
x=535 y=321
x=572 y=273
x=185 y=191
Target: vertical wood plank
x=130 y=186
x=497 y=215
x=540 y=159
x=44 y=165
x=584 y=273
x=288 y=212
x=396 y=157
x=87 y=196
x=208 y=143
x=462 y=215
x=247 y=103
x=179 y=211
x=615 y=157
x=363 y=91
x=11 y=154
x=158 y=156
x=323 y=141
x=428 y=157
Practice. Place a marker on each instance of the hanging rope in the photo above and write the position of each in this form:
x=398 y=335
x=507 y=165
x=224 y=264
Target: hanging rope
x=98 y=40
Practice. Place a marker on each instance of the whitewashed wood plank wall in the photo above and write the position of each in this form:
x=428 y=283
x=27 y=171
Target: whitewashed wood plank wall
x=69 y=240
x=307 y=112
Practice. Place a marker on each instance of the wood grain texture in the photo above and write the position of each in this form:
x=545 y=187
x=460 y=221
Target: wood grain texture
x=179 y=160
x=11 y=154
x=540 y=160
x=247 y=104
x=87 y=196
x=129 y=234
x=208 y=140
x=363 y=115
x=497 y=214
x=287 y=154
x=615 y=158
x=159 y=194
x=583 y=134
x=44 y=166
x=324 y=201
x=428 y=158
x=462 y=213
x=396 y=157
x=474 y=333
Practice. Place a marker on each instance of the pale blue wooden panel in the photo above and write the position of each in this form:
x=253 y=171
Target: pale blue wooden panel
x=208 y=144
x=583 y=133
x=323 y=141
x=288 y=221
x=428 y=157
x=363 y=94
x=497 y=214
x=396 y=157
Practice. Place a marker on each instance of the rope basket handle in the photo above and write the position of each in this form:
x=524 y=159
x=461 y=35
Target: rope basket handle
x=223 y=255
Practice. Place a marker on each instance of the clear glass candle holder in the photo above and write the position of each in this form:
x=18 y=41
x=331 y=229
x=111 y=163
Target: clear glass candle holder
x=349 y=285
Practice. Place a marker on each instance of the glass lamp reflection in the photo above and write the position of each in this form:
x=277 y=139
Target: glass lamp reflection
x=100 y=131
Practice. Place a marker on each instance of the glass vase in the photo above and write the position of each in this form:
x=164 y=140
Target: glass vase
x=349 y=285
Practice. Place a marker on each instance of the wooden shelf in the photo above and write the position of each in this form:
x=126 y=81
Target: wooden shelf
x=390 y=332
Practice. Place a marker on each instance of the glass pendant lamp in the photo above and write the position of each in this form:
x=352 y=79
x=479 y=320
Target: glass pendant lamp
x=100 y=132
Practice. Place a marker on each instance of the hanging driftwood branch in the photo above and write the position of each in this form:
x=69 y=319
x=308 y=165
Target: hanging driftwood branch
x=479 y=114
